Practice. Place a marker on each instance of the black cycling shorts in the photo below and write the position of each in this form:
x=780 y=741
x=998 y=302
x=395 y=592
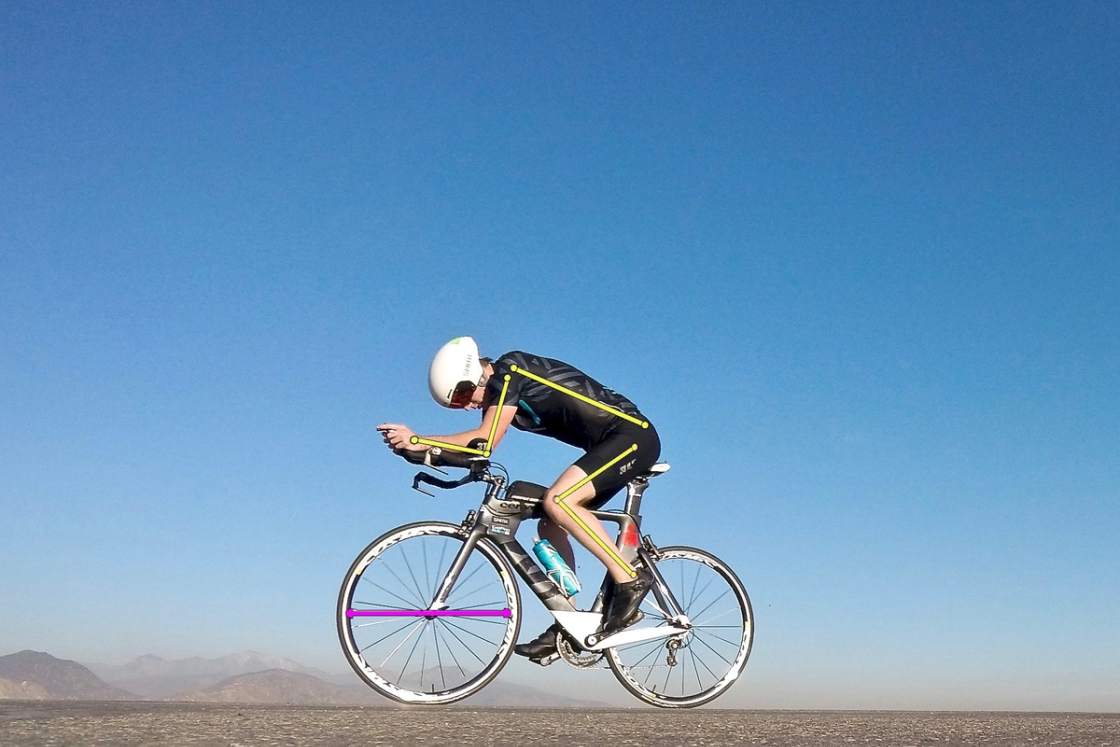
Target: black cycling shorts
x=611 y=480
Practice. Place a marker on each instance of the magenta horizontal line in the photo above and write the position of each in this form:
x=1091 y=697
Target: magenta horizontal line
x=428 y=613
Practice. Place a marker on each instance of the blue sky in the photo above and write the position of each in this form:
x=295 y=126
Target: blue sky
x=858 y=264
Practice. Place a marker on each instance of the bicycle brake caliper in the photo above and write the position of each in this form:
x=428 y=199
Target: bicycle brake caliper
x=468 y=521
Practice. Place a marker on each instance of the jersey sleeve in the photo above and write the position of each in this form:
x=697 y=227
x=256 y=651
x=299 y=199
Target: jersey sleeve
x=494 y=384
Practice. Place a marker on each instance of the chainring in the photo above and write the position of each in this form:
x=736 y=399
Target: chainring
x=578 y=659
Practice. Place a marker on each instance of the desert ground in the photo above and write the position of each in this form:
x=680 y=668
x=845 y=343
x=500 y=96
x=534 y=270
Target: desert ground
x=66 y=724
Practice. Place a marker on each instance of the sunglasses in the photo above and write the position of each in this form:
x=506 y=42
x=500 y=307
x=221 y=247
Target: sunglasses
x=462 y=394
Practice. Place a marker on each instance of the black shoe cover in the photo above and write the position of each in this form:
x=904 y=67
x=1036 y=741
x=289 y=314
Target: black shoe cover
x=622 y=612
x=540 y=647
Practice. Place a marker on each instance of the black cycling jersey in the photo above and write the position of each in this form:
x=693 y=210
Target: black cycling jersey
x=541 y=409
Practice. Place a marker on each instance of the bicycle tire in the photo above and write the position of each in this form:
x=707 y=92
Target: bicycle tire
x=726 y=650
x=389 y=597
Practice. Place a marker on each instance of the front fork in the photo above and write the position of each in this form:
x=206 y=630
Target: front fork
x=439 y=601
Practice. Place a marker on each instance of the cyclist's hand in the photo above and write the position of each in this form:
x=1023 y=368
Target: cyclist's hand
x=399 y=437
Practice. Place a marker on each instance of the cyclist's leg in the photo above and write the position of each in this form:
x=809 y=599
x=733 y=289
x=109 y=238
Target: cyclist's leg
x=558 y=537
x=565 y=508
x=611 y=464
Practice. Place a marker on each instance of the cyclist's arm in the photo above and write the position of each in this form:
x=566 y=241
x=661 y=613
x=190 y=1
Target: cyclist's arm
x=483 y=430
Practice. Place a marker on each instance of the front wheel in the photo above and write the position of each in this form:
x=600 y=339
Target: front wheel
x=402 y=647
x=696 y=667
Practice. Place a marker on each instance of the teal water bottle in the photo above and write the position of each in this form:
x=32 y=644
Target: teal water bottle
x=556 y=568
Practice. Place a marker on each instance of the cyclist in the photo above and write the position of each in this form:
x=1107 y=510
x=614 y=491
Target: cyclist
x=460 y=379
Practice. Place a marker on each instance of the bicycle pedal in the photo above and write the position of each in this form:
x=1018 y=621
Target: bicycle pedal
x=546 y=660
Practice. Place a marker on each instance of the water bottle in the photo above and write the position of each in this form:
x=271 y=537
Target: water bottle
x=554 y=565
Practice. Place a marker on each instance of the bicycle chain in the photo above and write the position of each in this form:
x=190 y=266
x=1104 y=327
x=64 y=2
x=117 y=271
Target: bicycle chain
x=573 y=658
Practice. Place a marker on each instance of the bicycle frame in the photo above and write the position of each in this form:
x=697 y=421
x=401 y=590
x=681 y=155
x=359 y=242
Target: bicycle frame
x=497 y=520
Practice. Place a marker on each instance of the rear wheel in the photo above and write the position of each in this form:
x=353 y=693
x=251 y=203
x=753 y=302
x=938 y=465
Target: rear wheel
x=698 y=666
x=414 y=654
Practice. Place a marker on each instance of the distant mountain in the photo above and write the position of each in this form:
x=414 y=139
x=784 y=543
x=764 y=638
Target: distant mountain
x=154 y=677
x=225 y=680
x=278 y=686
x=57 y=679
x=21 y=691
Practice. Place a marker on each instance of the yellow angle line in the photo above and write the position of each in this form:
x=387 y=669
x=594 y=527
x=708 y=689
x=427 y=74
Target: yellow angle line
x=442 y=445
x=580 y=397
x=498 y=414
x=560 y=502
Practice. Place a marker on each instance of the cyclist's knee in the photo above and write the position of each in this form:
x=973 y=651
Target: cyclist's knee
x=552 y=510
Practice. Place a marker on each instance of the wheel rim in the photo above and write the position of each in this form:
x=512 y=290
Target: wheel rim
x=714 y=651
x=414 y=654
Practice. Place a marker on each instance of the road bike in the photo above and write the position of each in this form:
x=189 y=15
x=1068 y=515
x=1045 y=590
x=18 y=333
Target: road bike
x=429 y=612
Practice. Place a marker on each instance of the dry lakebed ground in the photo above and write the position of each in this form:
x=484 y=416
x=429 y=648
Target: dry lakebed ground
x=70 y=724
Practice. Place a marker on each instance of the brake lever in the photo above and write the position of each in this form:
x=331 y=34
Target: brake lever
x=416 y=485
x=424 y=477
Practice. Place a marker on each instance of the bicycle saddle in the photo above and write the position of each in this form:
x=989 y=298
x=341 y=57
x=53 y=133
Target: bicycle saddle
x=659 y=468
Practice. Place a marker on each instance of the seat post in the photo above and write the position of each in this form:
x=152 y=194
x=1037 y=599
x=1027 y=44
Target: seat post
x=634 y=491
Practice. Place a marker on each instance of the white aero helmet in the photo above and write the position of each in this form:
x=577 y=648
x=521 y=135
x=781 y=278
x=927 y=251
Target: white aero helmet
x=455 y=371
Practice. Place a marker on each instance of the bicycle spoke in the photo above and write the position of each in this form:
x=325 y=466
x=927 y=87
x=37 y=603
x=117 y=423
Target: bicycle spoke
x=452 y=654
x=704 y=664
x=718 y=638
x=728 y=611
x=390 y=635
x=410 y=654
x=404 y=586
x=652 y=651
x=717 y=653
x=468 y=595
x=679 y=664
x=439 y=659
x=414 y=581
x=442 y=553
x=692 y=658
x=700 y=593
x=721 y=596
x=379 y=604
x=695 y=581
x=415 y=626
x=468 y=632
x=464 y=645
x=499 y=604
x=427 y=575
x=386 y=621
x=410 y=605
